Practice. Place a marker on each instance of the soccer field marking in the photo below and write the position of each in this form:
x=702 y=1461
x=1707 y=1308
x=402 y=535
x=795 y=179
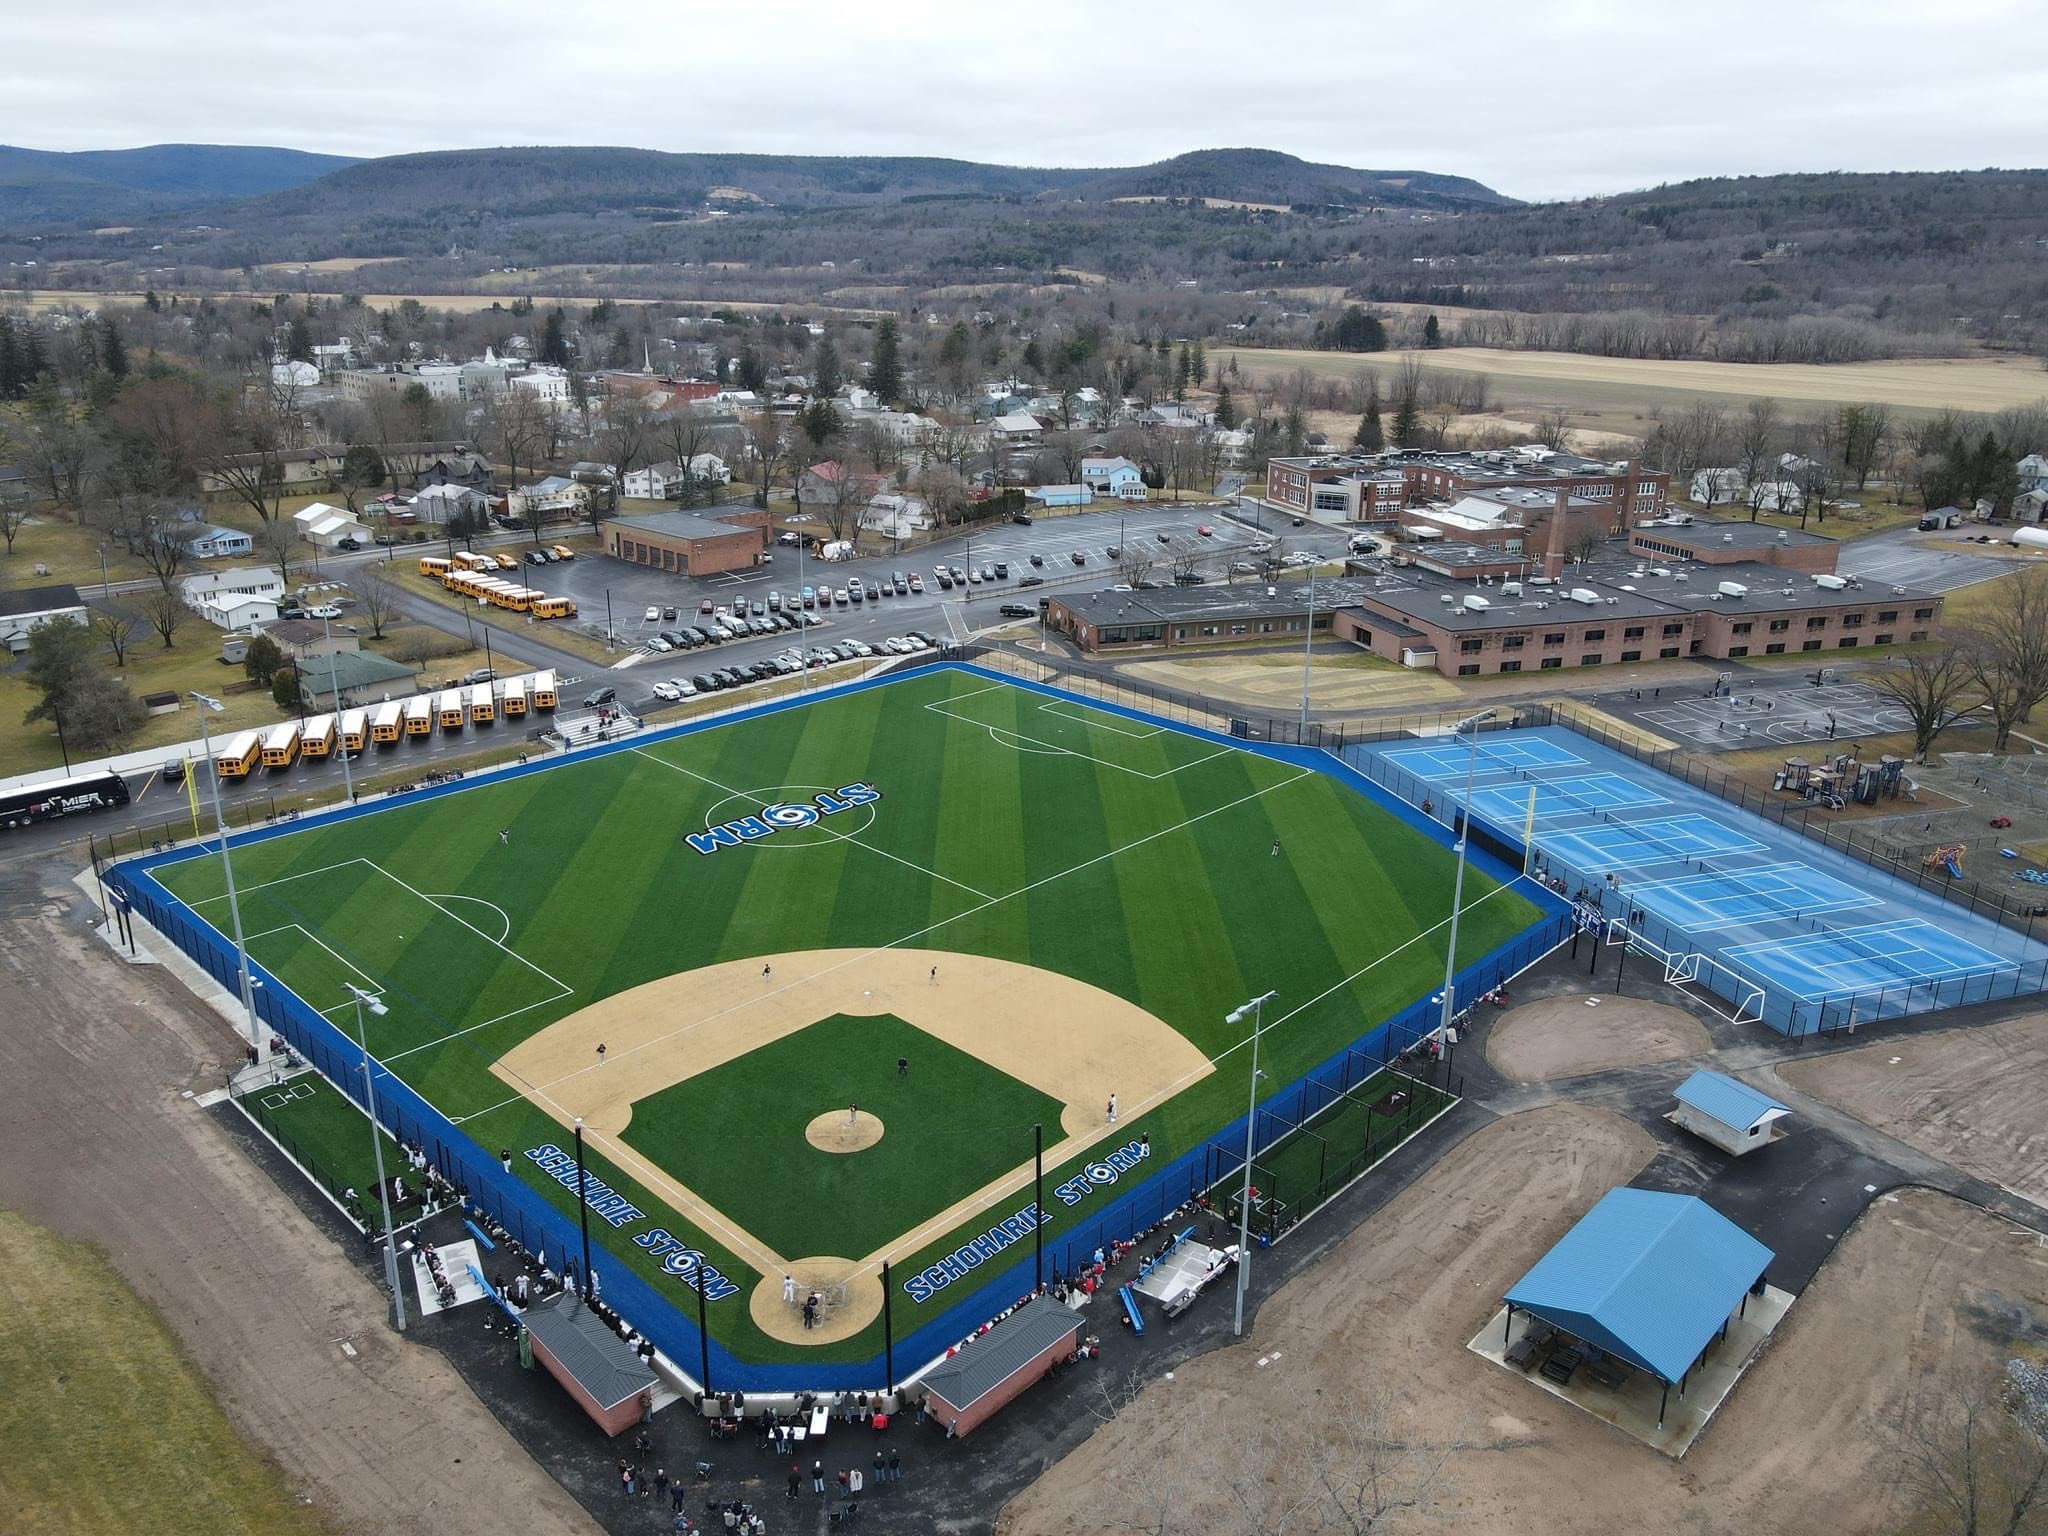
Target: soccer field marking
x=837 y=837
x=504 y=916
x=243 y=891
x=1023 y=741
x=540 y=1090
x=369 y=982
x=1052 y=707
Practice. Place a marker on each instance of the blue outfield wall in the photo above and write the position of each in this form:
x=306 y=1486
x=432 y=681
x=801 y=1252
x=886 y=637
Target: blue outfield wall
x=670 y=1319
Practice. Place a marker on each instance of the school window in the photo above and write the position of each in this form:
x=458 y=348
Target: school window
x=1811 y=645
x=1779 y=626
x=1852 y=620
x=1511 y=666
x=1552 y=661
x=1918 y=634
x=1592 y=660
x=1365 y=637
x=1819 y=623
x=1888 y=616
x=1556 y=638
x=1470 y=669
x=1738 y=650
x=1238 y=629
x=1512 y=642
x=1180 y=631
x=1884 y=640
x=1740 y=629
x=1594 y=634
x=1631 y=655
x=1847 y=642
x=1774 y=650
x=1673 y=629
x=1923 y=613
x=1209 y=631
x=1668 y=651
x=1633 y=632
x=1469 y=646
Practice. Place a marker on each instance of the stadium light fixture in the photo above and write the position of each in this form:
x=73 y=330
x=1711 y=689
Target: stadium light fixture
x=1256 y=1008
x=1470 y=723
x=373 y=1003
x=257 y=1048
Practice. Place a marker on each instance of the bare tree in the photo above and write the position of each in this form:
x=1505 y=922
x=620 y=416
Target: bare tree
x=1133 y=563
x=167 y=549
x=1935 y=691
x=379 y=599
x=1552 y=423
x=516 y=429
x=1757 y=434
x=279 y=542
x=1978 y=1466
x=626 y=437
x=1588 y=544
x=119 y=626
x=846 y=498
x=13 y=515
x=768 y=436
x=2006 y=650
x=166 y=613
x=246 y=454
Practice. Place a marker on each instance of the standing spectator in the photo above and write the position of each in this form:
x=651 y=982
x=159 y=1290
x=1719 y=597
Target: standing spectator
x=855 y=1482
x=796 y=1478
x=642 y=1446
x=895 y=1467
x=881 y=1474
x=661 y=1482
x=818 y=1477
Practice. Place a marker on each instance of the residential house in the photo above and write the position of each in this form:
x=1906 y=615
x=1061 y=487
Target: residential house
x=330 y=527
x=2033 y=472
x=1060 y=495
x=1117 y=477
x=2030 y=506
x=545 y=382
x=896 y=517
x=303 y=640
x=1715 y=487
x=293 y=375
x=1170 y=413
x=26 y=610
x=222 y=544
x=297 y=471
x=820 y=483
x=235 y=581
x=239 y=611
x=446 y=464
x=1018 y=431
x=710 y=469
x=1232 y=444
x=553 y=499
x=449 y=503
x=1775 y=496
x=657 y=482
x=352 y=678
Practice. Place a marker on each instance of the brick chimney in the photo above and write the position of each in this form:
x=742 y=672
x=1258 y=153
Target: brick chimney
x=1553 y=545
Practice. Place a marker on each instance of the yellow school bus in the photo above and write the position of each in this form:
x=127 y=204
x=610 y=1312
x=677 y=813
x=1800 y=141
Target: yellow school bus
x=281 y=746
x=514 y=702
x=482 y=711
x=390 y=720
x=553 y=608
x=318 y=738
x=543 y=690
x=469 y=560
x=419 y=716
x=239 y=757
x=434 y=566
x=449 y=708
x=354 y=727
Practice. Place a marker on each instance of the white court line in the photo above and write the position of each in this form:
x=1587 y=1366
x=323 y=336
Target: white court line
x=936 y=707
x=1051 y=707
x=540 y=1089
x=453 y=896
x=250 y=890
x=850 y=837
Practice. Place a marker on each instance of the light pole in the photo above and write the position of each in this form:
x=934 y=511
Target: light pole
x=256 y=1044
x=1469 y=723
x=1257 y=1009
x=1308 y=646
x=348 y=791
x=369 y=1000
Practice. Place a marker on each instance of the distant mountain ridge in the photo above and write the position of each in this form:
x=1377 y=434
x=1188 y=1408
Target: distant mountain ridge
x=245 y=184
x=41 y=186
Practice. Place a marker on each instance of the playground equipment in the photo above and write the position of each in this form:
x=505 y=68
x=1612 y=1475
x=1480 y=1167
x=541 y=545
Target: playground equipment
x=1949 y=858
x=1841 y=778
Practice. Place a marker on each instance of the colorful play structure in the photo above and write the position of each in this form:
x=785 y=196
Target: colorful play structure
x=1949 y=857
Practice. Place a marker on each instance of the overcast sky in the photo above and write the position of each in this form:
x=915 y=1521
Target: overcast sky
x=1538 y=98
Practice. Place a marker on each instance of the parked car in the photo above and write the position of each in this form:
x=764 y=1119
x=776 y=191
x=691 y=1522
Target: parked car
x=1078 y=558
x=1032 y=581
x=703 y=682
x=657 y=644
x=348 y=544
x=707 y=606
x=1038 y=560
x=683 y=685
x=760 y=608
x=1163 y=537
x=1017 y=611
x=1187 y=579
x=916 y=582
x=651 y=616
x=668 y=615
x=667 y=691
x=323 y=611
x=1205 y=531
x=945 y=581
x=1003 y=569
x=1022 y=519
x=988 y=573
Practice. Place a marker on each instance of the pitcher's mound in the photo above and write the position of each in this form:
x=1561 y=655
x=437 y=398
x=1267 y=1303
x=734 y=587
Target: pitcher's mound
x=836 y=1131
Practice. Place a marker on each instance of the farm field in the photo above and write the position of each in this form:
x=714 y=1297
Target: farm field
x=845 y=958
x=1621 y=390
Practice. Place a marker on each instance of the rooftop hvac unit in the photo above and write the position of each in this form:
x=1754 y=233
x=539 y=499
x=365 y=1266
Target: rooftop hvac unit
x=1832 y=583
x=1901 y=591
x=1727 y=538
x=1447 y=597
x=1731 y=589
x=1784 y=536
x=1477 y=603
x=1584 y=595
x=1511 y=588
x=1660 y=570
x=1680 y=576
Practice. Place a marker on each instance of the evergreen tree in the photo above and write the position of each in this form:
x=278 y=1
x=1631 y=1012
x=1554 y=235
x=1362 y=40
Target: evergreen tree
x=298 y=344
x=826 y=373
x=12 y=384
x=753 y=372
x=35 y=363
x=819 y=422
x=554 y=340
x=1355 y=331
x=1432 y=333
x=1034 y=356
x=1370 y=436
x=885 y=373
x=621 y=346
x=151 y=302
x=1201 y=361
x=1183 y=369
x=958 y=346
x=1407 y=422
x=1226 y=408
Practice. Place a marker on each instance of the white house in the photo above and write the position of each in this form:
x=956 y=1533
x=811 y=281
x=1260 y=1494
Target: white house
x=2033 y=472
x=1715 y=487
x=222 y=544
x=244 y=581
x=2030 y=506
x=556 y=496
x=1232 y=444
x=1118 y=477
x=657 y=482
x=1019 y=429
x=329 y=526
x=239 y=611
x=546 y=383
x=1775 y=496
x=710 y=469
x=896 y=517
x=23 y=611
x=294 y=375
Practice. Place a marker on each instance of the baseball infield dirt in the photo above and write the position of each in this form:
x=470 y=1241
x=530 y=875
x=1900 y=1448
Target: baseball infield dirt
x=1071 y=1041
x=1924 y=1297
x=849 y=1132
x=1573 y=1035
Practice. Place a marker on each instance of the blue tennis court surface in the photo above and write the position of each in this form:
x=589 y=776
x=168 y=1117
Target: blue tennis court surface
x=1630 y=844
x=1496 y=755
x=1507 y=805
x=1848 y=960
x=1737 y=898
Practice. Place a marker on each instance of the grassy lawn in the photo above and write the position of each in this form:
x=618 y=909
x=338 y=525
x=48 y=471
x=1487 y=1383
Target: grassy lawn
x=105 y=1424
x=1024 y=828
x=763 y=1173
x=568 y=636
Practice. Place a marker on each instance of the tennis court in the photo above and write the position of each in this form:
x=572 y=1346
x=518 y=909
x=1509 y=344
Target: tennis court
x=1839 y=961
x=1496 y=755
x=1507 y=805
x=1639 y=844
x=1706 y=902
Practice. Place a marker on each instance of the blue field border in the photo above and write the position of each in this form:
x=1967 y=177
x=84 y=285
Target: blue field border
x=668 y=1318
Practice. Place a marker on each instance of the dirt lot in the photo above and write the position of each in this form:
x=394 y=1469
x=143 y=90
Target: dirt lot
x=1972 y=1097
x=1570 y=1036
x=98 y=1143
x=1618 y=387
x=1799 y=1447
x=1339 y=680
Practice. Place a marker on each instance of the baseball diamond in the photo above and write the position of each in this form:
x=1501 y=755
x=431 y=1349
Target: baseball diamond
x=819 y=981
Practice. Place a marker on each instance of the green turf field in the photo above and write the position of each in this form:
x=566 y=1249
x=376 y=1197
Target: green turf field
x=318 y=1125
x=1010 y=824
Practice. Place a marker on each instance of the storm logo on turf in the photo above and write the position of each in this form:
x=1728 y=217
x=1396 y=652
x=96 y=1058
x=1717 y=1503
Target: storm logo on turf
x=782 y=817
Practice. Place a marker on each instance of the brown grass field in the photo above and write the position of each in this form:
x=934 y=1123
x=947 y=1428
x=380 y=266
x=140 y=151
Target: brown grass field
x=1617 y=389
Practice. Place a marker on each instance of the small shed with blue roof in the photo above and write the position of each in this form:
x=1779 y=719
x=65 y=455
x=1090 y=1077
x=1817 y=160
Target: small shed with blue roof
x=1733 y=1116
x=1646 y=1279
